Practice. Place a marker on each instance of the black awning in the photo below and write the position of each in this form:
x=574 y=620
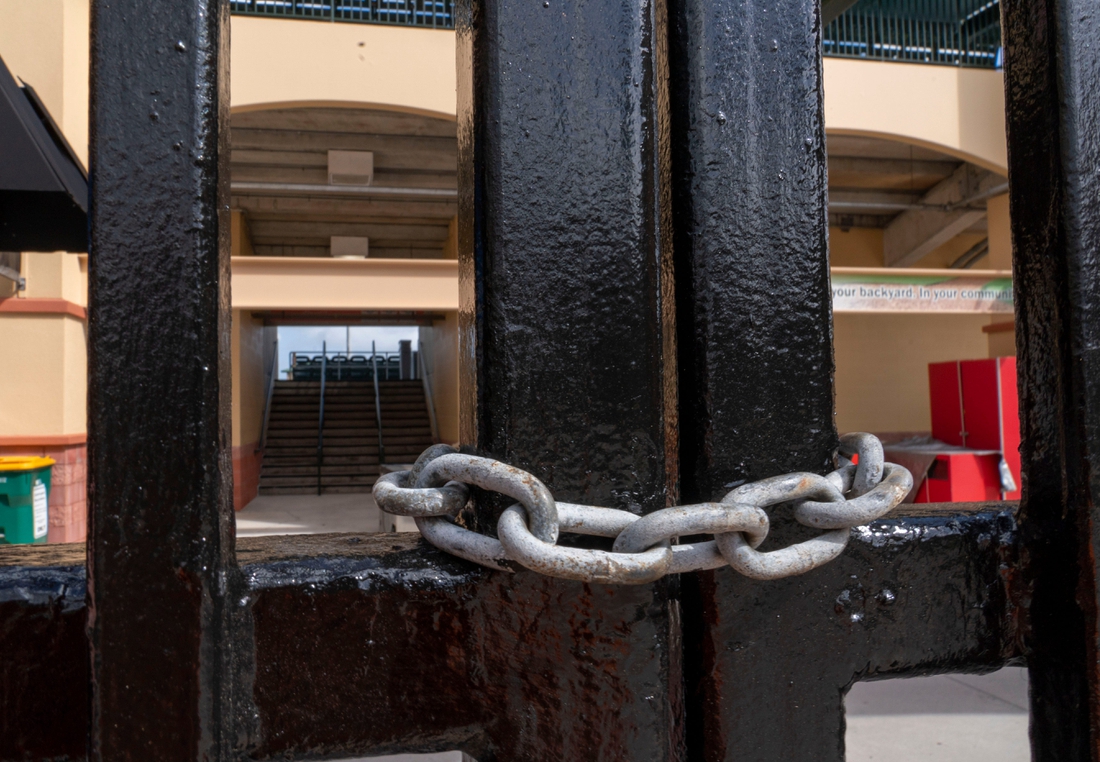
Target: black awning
x=43 y=186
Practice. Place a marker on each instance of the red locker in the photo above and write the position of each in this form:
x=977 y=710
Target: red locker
x=974 y=406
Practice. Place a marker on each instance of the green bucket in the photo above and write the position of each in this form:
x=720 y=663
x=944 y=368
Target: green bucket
x=24 y=500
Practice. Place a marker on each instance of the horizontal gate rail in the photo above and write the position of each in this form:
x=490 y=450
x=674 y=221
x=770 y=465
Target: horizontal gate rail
x=380 y=645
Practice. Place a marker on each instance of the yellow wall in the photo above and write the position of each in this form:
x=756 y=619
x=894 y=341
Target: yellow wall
x=441 y=350
x=289 y=61
x=959 y=111
x=240 y=237
x=42 y=388
x=858 y=247
x=45 y=43
x=248 y=378
x=882 y=365
x=55 y=275
x=319 y=283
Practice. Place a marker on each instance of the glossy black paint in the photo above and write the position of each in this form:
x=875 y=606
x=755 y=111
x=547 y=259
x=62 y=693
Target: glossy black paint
x=566 y=341
x=334 y=646
x=910 y=596
x=159 y=475
x=752 y=275
x=567 y=344
x=754 y=325
x=383 y=644
x=1052 y=66
x=44 y=669
x=380 y=644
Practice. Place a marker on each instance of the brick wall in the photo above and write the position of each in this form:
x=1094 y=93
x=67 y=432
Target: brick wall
x=246 y=474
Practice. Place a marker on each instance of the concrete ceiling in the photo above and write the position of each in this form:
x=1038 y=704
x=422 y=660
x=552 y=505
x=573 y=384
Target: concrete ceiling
x=279 y=180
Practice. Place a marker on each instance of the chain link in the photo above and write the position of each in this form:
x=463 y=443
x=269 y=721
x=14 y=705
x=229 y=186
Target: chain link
x=437 y=488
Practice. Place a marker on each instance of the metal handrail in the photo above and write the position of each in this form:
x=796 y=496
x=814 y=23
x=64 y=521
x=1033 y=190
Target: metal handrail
x=321 y=422
x=425 y=371
x=378 y=407
x=270 y=393
x=433 y=14
x=953 y=32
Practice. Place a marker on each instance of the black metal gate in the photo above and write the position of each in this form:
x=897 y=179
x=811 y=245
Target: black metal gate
x=645 y=320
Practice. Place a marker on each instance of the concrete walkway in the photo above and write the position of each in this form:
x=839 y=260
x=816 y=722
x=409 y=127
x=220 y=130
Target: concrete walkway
x=946 y=718
x=307 y=514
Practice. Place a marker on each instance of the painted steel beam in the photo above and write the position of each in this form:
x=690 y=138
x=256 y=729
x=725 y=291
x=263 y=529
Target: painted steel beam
x=160 y=496
x=916 y=233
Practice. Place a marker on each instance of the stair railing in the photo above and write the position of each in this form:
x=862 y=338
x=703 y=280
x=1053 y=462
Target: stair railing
x=425 y=371
x=269 y=395
x=321 y=419
x=377 y=408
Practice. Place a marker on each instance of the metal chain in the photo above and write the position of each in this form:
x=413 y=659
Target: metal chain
x=437 y=488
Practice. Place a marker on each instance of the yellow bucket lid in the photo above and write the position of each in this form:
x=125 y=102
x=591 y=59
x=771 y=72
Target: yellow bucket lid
x=24 y=463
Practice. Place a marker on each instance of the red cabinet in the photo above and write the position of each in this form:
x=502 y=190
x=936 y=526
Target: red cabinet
x=974 y=406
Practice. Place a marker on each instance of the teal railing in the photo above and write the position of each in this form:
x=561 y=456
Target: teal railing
x=951 y=32
x=433 y=14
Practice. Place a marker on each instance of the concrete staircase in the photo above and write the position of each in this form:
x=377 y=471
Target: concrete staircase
x=350 y=455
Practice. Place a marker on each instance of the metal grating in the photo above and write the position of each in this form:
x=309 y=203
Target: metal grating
x=432 y=14
x=950 y=32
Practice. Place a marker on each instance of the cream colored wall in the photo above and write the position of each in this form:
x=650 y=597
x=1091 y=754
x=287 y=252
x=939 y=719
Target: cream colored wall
x=959 y=111
x=318 y=283
x=288 y=61
x=240 y=237
x=858 y=247
x=247 y=343
x=862 y=247
x=441 y=350
x=45 y=43
x=882 y=365
x=42 y=388
x=55 y=275
x=1001 y=343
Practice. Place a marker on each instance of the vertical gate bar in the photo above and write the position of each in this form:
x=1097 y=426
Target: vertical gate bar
x=752 y=276
x=1052 y=64
x=160 y=550
x=566 y=322
x=567 y=337
x=754 y=323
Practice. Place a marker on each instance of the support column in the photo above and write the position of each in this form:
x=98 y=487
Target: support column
x=160 y=553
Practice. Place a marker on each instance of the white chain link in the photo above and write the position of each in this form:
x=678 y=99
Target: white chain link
x=437 y=489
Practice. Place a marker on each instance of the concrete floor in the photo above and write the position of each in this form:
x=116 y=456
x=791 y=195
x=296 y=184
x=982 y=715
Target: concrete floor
x=947 y=718
x=307 y=514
